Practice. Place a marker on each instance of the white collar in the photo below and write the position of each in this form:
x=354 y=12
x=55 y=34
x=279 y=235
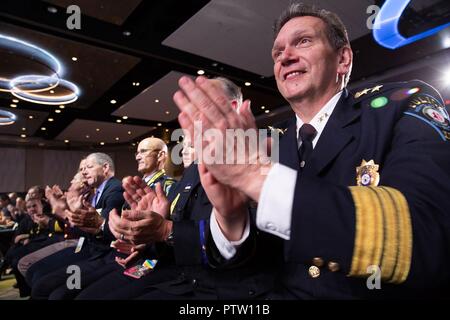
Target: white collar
x=321 y=118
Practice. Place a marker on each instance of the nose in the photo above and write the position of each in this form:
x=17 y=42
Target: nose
x=288 y=56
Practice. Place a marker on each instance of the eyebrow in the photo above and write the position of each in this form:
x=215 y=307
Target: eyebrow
x=295 y=34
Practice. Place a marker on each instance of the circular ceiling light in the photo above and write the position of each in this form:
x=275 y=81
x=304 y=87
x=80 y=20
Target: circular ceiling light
x=7 y=118
x=69 y=94
x=25 y=86
x=23 y=48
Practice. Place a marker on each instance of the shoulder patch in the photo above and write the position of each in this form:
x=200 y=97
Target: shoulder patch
x=428 y=109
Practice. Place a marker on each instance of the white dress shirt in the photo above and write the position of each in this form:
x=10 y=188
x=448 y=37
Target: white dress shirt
x=277 y=195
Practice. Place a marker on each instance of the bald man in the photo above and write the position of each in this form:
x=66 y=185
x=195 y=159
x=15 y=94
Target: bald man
x=151 y=156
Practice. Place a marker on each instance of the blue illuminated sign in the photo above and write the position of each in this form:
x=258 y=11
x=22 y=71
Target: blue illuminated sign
x=386 y=22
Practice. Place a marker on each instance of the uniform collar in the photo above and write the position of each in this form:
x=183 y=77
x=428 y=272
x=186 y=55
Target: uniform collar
x=321 y=118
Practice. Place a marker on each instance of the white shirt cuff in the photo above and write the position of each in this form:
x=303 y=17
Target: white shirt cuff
x=226 y=248
x=275 y=203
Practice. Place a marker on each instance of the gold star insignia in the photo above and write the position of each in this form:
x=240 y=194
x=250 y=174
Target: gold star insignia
x=376 y=88
x=361 y=93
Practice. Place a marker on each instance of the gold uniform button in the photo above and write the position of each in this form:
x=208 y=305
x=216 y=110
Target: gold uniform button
x=314 y=272
x=65 y=236
x=333 y=266
x=50 y=235
x=318 y=261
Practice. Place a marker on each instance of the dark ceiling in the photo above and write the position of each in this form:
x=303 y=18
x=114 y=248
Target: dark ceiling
x=120 y=56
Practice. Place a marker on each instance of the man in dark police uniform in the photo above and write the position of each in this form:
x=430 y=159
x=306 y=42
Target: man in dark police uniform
x=361 y=193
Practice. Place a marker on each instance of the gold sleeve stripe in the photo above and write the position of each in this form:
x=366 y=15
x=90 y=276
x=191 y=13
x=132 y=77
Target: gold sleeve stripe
x=389 y=258
x=383 y=235
x=58 y=227
x=405 y=238
x=368 y=240
x=378 y=237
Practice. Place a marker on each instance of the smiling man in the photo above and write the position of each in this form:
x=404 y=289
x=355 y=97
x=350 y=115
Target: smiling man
x=360 y=196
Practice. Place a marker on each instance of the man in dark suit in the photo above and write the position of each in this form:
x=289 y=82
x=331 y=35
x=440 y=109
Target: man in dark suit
x=360 y=195
x=151 y=157
x=88 y=222
x=183 y=270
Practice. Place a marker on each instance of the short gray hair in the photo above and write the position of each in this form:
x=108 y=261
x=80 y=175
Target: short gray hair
x=102 y=158
x=233 y=91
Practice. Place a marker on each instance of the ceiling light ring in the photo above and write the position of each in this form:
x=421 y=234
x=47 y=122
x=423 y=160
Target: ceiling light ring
x=32 y=79
x=50 y=100
x=7 y=118
x=27 y=49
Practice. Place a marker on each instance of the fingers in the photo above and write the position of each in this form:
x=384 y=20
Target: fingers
x=118 y=226
x=127 y=260
x=122 y=246
x=207 y=179
x=160 y=192
x=217 y=107
x=139 y=248
x=186 y=123
x=183 y=99
x=246 y=115
x=134 y=215
x=140 y=184
x=129 y=199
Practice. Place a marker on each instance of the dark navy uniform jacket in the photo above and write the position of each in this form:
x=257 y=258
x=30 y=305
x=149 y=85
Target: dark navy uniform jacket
x=354 y=222
x=371 y=206
x=194 y=275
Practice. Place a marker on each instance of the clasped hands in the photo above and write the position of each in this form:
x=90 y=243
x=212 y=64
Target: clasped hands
x=146 y=221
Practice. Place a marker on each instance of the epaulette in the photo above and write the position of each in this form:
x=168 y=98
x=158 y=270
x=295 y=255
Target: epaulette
x=397 y=91
x=415 y=98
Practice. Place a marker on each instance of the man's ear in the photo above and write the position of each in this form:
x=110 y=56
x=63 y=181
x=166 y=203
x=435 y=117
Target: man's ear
x=234 y=105
x=345 y=60
x=106 y=167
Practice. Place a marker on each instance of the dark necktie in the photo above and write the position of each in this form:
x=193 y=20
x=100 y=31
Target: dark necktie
x=306 y=135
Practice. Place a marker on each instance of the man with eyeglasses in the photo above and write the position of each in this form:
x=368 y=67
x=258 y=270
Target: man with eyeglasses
x=151 y=157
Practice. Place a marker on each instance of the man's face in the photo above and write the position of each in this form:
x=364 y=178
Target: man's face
x=305 y=64
x=147 y=156
x=94 y=173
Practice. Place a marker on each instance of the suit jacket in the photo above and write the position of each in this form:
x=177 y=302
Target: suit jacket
x=400 y=225
x=111 y=198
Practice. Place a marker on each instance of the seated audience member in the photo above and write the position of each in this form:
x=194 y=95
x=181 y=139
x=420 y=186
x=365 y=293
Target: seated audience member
x=151 y=157
x=90 y=219
x=34 y=232
x=59 y=204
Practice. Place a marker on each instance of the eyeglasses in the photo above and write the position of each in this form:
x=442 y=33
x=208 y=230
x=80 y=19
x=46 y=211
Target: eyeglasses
x=143 y=151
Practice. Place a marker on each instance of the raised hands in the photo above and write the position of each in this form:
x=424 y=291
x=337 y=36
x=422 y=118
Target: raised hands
x=140 y=197
x=57 y=200
x=203 y=102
